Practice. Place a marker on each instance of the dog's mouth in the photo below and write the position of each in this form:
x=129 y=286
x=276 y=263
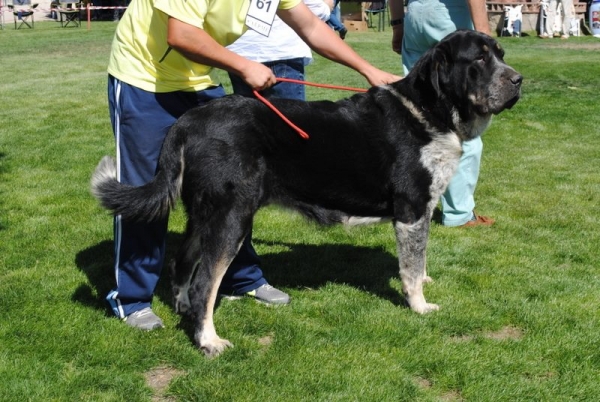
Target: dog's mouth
x=510 y=103
x=507 y=91
x=495 y=104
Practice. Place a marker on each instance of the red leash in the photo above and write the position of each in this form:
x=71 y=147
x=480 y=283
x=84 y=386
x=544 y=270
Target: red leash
x=301 y=132
x=273 y=108
x=312 y=84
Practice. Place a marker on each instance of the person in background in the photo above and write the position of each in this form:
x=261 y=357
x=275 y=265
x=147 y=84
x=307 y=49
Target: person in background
x=425 y=24
x=53 y=10
x=160 y=66
x=282 y=51
x=335 y=21
x=567 y=17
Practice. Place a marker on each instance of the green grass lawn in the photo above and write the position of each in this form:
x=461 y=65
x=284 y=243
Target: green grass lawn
x=519 y=316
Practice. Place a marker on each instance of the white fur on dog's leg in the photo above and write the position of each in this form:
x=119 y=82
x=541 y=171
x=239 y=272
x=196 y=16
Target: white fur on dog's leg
x=207 y=339
x=411 y=243
x=182 y=300
x=210 y=343
x=215 y=347
x=426 y=278
x=416 y=299
x=418 y=304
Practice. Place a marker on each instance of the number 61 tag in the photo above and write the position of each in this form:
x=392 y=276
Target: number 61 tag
x=261 y=15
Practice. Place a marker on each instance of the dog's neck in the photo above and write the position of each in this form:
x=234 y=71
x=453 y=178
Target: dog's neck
x=471 y=129
x=445 y=116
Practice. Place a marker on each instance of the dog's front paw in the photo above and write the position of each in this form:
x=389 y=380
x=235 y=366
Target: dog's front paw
x=419 y=305
x=426 y=308
x=215 y=347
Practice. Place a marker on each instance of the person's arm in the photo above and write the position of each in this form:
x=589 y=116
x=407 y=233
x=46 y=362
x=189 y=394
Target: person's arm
x=479 y=16
x=397 y=22
x=198 y=46
x=323 y=40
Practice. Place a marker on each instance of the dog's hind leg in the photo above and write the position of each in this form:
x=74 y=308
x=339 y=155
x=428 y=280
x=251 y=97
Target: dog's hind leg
x=182 y=269
x=220 y=240
x=412 y=244
x=204 y=289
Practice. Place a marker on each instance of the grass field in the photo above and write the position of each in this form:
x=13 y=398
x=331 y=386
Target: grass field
x=519 y=316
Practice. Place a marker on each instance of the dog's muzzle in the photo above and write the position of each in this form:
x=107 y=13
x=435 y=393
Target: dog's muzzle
x=516 y=80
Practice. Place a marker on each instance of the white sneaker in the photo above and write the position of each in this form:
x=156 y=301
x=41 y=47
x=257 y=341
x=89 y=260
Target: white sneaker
x=269 y=295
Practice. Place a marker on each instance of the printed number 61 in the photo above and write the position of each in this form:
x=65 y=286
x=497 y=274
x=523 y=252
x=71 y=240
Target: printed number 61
x=260 y=4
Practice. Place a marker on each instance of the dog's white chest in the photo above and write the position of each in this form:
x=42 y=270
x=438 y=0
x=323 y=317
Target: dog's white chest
x=440 y=158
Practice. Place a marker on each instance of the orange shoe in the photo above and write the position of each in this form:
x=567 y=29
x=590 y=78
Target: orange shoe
x=479 y=220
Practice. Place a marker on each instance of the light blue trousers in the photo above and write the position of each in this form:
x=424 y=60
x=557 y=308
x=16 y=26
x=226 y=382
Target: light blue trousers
x=426 y=23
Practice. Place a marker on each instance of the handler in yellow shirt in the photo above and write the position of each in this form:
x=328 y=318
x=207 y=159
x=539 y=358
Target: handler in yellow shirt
x=162 y=57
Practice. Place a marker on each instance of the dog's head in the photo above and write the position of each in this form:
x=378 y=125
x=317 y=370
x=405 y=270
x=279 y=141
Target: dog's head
x=467 y=69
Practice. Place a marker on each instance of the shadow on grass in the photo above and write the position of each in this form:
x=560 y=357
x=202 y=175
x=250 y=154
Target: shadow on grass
x=314 y=265
x=298 y=266
x=97 y=263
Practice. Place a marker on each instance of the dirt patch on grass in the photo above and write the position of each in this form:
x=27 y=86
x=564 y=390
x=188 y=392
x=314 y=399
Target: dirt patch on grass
x=503 y=334
x=266 y=340
x=462 y=338
x=583 y=46
x=423 y=382
x=158 y=379
x=506 y=333
x=452 y=396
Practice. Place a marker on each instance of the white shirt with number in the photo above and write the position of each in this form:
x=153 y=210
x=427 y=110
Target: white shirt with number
x=282 y=43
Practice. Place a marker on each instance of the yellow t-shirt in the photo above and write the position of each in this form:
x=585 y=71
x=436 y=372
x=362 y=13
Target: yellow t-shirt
x=141 y=57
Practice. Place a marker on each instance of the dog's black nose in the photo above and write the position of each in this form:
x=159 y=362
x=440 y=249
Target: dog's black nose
x=517 y=79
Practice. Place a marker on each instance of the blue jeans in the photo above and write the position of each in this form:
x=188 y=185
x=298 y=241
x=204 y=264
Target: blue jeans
x=140 y=121
x=335 y=18
x=291 y=68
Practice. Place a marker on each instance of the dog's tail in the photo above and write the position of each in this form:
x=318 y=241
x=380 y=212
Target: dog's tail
x=146 y=203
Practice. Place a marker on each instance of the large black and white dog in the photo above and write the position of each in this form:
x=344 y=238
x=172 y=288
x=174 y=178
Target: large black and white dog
x=387 y=153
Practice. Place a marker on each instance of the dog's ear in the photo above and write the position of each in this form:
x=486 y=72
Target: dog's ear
x=434 y=70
